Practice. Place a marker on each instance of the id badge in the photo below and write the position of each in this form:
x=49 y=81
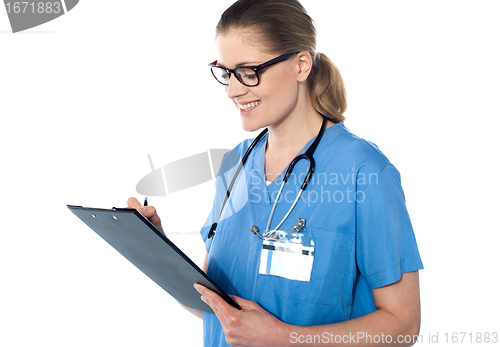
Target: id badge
x=290 y=255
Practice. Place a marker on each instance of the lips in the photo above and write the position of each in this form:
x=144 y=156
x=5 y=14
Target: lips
x=248 y=106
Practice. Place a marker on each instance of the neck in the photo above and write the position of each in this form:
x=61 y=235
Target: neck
x=290 y=136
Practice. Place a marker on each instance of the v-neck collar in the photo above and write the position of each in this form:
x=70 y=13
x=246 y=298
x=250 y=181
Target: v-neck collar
x=260 y=194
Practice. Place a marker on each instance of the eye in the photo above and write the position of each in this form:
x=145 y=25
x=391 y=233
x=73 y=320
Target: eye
x=250 y=75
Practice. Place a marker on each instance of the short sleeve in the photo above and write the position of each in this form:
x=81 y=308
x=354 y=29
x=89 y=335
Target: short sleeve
x=229 y=166
x=204 y=233
x=213 y=217
x=385 y=242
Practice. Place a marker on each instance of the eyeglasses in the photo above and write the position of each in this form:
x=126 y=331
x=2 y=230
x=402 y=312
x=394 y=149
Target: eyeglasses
x=248 y=75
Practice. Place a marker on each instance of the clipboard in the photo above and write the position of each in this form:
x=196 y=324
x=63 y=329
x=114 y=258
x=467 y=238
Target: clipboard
x=138 y=240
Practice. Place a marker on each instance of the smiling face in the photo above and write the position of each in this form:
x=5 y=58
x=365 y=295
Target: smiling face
x=276 y=97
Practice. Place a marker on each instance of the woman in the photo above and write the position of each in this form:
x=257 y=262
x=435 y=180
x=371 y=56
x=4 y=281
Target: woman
x=347 y=273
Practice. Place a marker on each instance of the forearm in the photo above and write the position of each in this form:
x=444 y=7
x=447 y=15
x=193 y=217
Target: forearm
x=197 y=313
x=378 y=328
x=396 y=322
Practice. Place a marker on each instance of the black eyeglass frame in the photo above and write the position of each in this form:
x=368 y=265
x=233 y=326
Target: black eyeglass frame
x=256 y=69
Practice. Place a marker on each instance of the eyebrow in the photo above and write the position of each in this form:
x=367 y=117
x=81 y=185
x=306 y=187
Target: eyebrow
x=239 y=65
x=246 y=64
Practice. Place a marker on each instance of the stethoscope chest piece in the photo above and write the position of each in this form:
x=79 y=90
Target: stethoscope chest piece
x=295 y=233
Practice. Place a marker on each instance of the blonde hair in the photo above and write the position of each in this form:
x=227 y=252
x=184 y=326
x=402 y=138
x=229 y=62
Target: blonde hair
x=285 y=27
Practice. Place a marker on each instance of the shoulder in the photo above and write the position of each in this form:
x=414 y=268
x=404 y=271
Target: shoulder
x=232 y=158
x=341 y=144
x=243 y=146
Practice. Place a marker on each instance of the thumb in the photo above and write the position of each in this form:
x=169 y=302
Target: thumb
x=246 y=305
x=150 y=213
x=133 y=203
x=147 y=211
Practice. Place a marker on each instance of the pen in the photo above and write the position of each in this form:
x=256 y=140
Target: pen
x=146 y=201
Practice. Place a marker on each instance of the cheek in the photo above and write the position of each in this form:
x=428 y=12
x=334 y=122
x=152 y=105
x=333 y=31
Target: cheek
x=283 y=91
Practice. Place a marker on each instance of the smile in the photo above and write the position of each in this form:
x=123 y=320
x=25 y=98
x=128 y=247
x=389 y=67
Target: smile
x=249 y=106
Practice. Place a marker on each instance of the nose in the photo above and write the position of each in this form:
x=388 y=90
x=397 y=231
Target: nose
x=235 y=88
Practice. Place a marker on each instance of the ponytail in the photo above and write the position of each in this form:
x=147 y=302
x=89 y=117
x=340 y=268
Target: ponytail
x=328 y=93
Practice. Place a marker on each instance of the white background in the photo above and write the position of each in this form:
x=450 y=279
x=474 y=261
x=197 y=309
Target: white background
x=85 y=98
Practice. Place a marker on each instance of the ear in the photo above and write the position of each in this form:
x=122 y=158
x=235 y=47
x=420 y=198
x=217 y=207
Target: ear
x=305 y=65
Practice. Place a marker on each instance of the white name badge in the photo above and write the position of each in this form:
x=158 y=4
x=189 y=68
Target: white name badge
x=287 y=259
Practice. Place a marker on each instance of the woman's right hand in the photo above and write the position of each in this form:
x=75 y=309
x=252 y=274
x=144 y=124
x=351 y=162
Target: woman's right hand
x=147 y=211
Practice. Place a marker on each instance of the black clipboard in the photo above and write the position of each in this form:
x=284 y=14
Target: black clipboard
x=138 y=240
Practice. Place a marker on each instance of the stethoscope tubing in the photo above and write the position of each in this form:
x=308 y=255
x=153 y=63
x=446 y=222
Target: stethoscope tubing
x=268 y=232
x=308 y=155
x=238 y=170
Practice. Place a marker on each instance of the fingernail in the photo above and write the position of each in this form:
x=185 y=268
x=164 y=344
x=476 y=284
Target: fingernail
x=204 y=300
x=196 y=286
x=142 y=209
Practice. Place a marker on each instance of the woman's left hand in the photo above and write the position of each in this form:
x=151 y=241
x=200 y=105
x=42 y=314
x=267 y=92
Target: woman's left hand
x=250 y=326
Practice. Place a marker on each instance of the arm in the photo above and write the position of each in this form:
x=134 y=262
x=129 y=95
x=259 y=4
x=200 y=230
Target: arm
x=198 y=313
x=397 y=314
x=150 y=213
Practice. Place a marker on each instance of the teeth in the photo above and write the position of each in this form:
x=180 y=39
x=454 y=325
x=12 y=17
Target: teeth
x=247 y=107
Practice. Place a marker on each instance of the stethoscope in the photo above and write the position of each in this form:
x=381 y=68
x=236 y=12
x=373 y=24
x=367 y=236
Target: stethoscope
x=308 y=155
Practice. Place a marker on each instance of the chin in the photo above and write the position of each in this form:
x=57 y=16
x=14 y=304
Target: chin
x=251 y=126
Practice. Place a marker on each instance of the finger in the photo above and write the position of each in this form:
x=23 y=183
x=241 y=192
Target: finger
x=201 y=289
x=218 y=313
x=215 y=301
x=147 y=211
x=246 y=305
x=133 y=203
x=150 y=213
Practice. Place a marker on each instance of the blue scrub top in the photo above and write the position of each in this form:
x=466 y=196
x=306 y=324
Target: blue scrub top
x=355 y=210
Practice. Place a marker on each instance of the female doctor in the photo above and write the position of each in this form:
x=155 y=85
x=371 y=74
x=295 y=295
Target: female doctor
x=337 y=265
